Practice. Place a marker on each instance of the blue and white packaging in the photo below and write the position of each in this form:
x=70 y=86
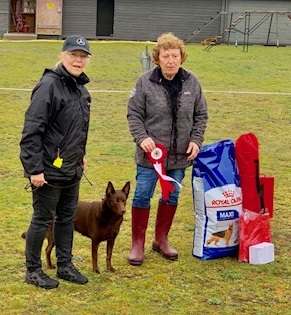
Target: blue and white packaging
x=217 y=201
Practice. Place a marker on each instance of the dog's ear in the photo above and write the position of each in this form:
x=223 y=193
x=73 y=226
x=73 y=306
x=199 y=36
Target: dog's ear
x=126 y=188
x=110 y=189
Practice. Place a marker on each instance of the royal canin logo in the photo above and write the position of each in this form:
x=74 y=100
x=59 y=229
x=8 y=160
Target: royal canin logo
x=228 y=199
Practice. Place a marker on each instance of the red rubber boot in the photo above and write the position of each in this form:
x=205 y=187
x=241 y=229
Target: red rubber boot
x=165 y=216
x=139 y=223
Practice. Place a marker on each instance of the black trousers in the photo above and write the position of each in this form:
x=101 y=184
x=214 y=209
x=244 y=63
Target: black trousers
x=54 y=202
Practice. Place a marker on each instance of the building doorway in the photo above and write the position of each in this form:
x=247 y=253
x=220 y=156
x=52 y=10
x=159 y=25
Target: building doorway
x=22 y=16
x=105 y=18
x=39 y=17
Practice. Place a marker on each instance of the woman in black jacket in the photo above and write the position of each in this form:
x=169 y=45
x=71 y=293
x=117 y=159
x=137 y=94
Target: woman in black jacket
x=52 y=154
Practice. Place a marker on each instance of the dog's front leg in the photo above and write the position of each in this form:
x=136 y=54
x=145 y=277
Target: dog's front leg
x=50 y=246
x=109 y=247
x=95 y=245
x=48 y=251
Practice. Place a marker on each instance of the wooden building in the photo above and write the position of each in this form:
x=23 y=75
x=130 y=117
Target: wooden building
x=267 y=22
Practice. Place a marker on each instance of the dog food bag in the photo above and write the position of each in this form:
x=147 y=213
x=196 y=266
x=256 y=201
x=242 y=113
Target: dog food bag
x=217 y=201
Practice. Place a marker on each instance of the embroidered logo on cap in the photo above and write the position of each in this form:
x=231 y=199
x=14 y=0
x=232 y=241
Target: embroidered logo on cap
x=80 y=41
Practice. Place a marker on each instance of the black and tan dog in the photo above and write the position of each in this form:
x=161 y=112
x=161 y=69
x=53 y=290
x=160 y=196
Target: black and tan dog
x=222 y=235
x=98 y=220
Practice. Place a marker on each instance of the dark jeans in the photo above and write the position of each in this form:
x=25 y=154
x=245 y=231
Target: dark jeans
x=55 y=202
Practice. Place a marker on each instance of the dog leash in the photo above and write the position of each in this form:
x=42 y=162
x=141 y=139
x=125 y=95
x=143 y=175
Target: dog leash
x=33 y=188
x=88 y=180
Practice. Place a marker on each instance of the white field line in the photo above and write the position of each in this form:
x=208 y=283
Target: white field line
x=205 y=91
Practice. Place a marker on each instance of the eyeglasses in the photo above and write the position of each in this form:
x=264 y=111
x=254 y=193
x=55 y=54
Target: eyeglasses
x=75 y=55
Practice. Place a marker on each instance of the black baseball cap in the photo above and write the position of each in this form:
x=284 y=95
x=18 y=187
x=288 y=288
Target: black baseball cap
x=76 y=42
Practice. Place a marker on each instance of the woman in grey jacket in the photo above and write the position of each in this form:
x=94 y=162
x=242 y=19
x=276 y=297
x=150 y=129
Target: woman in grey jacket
x=52 y=154
x=166 y=109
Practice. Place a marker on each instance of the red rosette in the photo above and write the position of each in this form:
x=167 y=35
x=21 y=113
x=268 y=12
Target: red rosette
x=158 y=155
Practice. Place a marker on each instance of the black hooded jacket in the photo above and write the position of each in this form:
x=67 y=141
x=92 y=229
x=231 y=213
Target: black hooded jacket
x=56 y=126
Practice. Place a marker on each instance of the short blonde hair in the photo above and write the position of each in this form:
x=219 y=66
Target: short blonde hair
x=168 y=41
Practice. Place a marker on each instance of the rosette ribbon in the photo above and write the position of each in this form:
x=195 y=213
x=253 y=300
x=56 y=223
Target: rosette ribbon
x=157 y=157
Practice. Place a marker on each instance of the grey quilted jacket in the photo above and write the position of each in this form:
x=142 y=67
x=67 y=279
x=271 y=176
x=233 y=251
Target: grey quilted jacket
x=150 y=115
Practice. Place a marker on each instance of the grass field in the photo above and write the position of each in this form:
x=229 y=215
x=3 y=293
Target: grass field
x=246 y=92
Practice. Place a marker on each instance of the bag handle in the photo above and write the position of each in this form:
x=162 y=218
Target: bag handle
x=260 y=187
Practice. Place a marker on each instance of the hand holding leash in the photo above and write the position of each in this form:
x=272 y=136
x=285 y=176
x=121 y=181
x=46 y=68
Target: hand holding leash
x=38 y=180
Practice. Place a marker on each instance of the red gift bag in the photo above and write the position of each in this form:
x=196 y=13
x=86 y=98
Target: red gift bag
x=257 y=190
x=247 y=158
x=254 y=228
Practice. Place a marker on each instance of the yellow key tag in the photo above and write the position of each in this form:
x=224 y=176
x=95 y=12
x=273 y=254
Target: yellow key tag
x=58 y=162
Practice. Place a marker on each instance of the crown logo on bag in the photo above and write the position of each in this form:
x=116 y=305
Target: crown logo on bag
x=228 y=193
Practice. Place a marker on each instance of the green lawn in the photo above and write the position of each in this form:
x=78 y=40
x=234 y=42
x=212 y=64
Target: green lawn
x=188 y=286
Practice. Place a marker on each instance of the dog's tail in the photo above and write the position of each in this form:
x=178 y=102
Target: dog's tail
x=23 y=235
